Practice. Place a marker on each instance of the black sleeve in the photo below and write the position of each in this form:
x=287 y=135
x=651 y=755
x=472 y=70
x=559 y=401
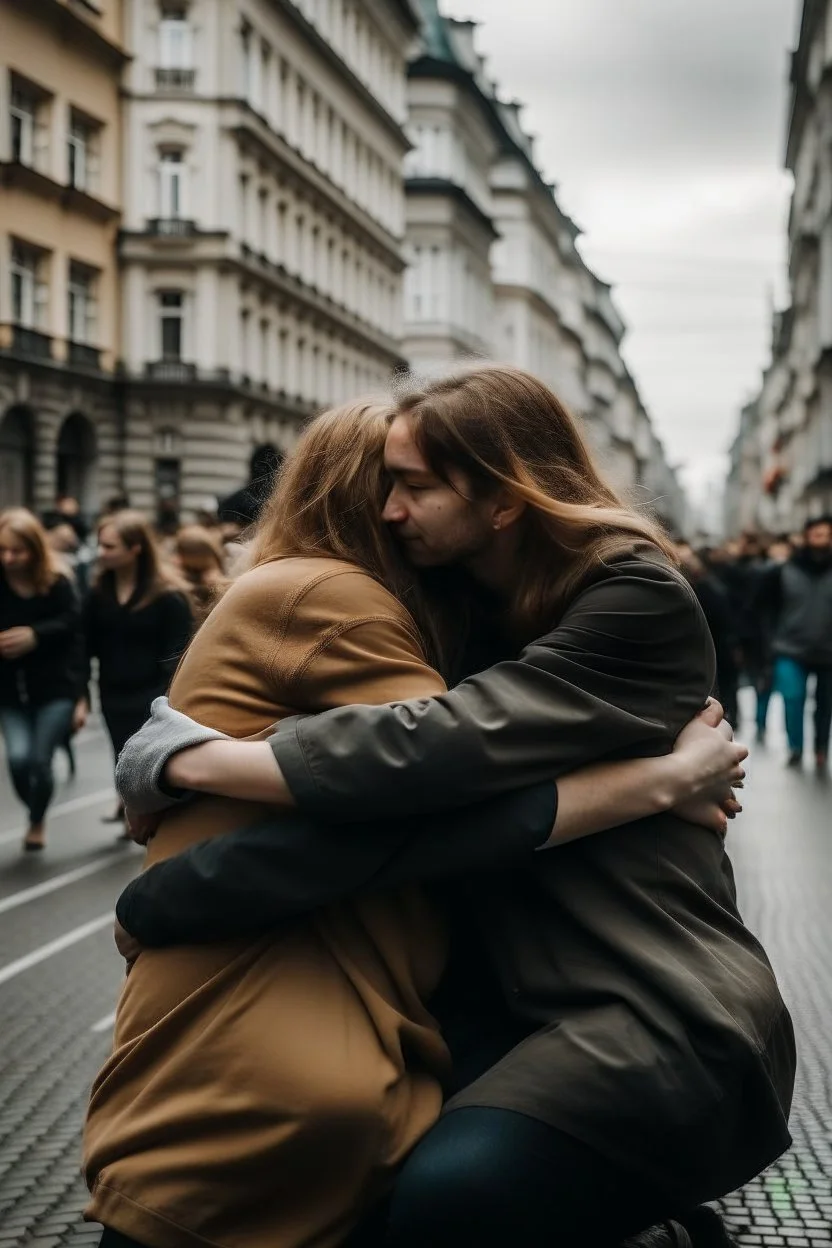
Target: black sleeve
x=177 y=625
x=628 y=665
x=65 y=621
x=246 y=882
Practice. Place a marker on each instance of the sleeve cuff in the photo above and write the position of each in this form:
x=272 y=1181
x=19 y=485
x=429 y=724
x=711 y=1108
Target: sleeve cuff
x=287 y=747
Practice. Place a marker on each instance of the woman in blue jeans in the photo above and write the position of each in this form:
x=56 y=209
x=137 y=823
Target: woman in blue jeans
x=40 y=661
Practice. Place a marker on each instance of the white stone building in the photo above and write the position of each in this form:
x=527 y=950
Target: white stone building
x=263 y=224
x=781 y=470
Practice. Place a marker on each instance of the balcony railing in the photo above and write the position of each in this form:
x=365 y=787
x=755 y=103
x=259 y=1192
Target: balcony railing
x=23 y=341
x=175 y=79
x=84 y=356
x=170 y=370
x=171 y=227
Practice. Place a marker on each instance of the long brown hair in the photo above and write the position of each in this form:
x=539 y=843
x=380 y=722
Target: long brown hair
x=46 y=567
x=327 y=500
x=153 y=575
x=500 y=426
x=200 y=556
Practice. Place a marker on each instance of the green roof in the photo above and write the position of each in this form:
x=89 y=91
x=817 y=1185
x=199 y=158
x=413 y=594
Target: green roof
x=434 y=32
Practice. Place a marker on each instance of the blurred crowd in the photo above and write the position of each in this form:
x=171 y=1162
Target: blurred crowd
x=120 y=597
x=106 y=606
x=768 y=603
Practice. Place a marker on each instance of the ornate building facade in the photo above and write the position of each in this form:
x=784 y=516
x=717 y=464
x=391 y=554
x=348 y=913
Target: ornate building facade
x=61 y=419
x=781 y=461
x=264 y=215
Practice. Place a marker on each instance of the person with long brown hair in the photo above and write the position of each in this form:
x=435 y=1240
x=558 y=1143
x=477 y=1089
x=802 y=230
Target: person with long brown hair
x=621 y=1046
x=198 y=553
x=40 y=661
x=137 y=622
x=262 y=1092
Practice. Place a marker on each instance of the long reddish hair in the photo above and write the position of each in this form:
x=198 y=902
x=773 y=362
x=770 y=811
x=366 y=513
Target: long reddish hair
x=327 y=500
x=499 y=426
x=46 y=567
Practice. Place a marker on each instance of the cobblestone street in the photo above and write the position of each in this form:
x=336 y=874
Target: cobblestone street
x=59 y=977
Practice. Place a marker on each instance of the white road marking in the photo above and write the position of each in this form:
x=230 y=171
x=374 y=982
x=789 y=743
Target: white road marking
x=106 y=1023
x=11 y=969
x=63 y=808
x=55 y=882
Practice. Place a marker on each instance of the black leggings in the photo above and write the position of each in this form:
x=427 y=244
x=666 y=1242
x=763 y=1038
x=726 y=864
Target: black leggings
x=491 y=1177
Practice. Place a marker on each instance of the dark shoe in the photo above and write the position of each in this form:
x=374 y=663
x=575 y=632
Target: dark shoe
x=670 y=1234
x=795 y=759
x=701 y=1228
x=34 y=842
x=706 y=1228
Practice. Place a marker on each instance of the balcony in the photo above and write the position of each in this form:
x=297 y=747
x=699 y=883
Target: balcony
x=25 y=343
x=170 y=370
x=83 y=356
x=171 y=227
x=175 y=79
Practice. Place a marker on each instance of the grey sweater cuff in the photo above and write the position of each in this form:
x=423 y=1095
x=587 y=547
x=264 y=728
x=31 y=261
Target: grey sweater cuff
x=142 y=761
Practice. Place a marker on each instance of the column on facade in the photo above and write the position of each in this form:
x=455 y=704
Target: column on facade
x=206 y=318
x=136 y=313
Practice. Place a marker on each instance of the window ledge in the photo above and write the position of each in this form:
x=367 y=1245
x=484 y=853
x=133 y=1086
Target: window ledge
x=26 y=177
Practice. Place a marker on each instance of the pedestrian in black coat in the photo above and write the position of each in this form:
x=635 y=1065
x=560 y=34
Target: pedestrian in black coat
x=137 y=623
x=40 y=661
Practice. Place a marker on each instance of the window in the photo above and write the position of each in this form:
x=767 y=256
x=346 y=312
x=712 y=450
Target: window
x=22 y=112
x=28 y=292
x=246 y=61
x=81 y=152
x=171 y=309
x=175 y=42
x=171 y=184
x=81 y=303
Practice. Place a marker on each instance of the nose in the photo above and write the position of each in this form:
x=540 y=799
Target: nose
x=394 y=510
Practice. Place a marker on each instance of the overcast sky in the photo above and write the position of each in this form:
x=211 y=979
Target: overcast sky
x=663 y=123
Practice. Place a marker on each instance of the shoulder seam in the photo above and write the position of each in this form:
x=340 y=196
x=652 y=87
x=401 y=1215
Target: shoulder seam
x=339 y=630
x=297 y=597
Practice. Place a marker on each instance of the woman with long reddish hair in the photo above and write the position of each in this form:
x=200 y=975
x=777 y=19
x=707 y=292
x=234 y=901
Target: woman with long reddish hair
x=40 y=661
x=137 y=622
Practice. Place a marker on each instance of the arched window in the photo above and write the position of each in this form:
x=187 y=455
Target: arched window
x=17 y=457
x=77 y=454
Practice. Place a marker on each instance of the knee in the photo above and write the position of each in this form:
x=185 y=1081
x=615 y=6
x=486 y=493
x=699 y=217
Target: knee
x=455 y=1188
x=19 y=758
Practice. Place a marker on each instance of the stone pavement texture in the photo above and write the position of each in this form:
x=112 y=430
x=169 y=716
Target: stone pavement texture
x=59 y=979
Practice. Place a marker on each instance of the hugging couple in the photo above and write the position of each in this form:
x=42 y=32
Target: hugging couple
x=438 y=944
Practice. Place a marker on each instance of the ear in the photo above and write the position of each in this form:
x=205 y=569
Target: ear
x=506 y=510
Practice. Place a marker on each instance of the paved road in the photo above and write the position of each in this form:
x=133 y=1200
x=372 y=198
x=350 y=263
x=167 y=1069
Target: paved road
x=59 y=978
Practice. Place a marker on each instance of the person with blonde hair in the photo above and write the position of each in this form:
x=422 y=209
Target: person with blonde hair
x=40 y=661
x=622 y=1051
x=137 y=623
x=262 y=1092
